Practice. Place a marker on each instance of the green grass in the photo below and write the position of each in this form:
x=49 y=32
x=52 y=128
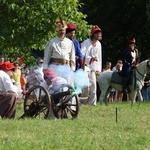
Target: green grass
x=95 y=129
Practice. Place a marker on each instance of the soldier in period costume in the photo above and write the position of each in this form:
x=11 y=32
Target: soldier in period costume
x=70 y=33
x=60 y=50
x=92 y=52
x=130 y=59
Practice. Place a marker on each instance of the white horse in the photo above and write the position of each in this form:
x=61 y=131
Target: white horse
x=105 y=82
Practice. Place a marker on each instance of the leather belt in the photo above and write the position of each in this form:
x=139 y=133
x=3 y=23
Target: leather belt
x=59 y=61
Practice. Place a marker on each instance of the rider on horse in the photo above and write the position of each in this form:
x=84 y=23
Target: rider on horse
x=130 y=60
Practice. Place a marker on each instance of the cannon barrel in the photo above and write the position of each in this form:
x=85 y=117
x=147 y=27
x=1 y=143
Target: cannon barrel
x=61 y=94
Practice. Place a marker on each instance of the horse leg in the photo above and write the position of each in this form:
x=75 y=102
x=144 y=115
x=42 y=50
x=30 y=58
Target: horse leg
x=140 y=98
x=103 y=96
x=104 y=84
x=134 y=94
x=106 y=96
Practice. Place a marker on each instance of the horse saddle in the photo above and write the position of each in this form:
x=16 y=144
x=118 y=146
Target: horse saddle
x=116 y=78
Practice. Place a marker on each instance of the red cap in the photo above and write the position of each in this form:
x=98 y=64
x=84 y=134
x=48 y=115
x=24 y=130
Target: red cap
x=95 y=29
x=49 y=73
x=71 y=27
x=6 y=66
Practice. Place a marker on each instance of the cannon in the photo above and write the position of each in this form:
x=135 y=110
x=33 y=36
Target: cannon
x=39 y=103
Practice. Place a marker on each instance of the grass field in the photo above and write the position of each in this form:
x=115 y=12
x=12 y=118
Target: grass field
x=95 y=129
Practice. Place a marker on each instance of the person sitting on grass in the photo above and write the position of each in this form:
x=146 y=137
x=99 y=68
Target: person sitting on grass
x=8 y=92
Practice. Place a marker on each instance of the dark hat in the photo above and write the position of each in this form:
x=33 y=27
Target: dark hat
x=6 y=66
x=95 y=29
x=131 y=41
x=71 y=27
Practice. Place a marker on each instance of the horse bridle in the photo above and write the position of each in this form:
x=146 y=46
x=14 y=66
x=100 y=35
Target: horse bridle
x=146 y=70
x=148 y=66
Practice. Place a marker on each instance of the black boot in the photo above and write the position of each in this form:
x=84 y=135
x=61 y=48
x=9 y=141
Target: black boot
x=124 y=85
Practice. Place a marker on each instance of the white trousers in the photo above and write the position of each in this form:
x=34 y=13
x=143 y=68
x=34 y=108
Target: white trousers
x=92 y=88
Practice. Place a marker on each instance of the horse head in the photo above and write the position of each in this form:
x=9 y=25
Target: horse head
x=148 y=67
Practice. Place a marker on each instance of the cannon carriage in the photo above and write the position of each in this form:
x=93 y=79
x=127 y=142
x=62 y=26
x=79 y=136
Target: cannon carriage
x=39 y=103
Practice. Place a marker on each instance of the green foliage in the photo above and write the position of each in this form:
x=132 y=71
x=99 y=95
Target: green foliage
x=27 y=25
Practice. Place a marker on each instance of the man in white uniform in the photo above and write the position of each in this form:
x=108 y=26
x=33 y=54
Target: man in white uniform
x=8 y=92
x=59 y=50
x=92 y=52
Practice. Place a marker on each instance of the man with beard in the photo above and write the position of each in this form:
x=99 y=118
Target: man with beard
x=92 y=52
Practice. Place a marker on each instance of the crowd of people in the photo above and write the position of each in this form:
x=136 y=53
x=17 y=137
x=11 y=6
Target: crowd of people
x=63 y=56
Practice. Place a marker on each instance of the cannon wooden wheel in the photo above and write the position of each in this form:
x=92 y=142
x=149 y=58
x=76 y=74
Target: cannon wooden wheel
x=37 y=103
x=65 y=103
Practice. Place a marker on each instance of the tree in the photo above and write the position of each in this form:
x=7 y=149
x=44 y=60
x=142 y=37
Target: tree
x=29 y=24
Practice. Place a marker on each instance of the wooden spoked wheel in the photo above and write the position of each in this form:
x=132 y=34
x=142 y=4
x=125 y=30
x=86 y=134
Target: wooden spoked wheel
x=65 y=104
x=37 y=102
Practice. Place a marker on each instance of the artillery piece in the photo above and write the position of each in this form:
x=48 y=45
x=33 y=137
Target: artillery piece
x=62 y=104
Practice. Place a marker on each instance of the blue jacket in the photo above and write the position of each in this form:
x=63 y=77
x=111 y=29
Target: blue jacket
x=78 y=53
x=128 y=62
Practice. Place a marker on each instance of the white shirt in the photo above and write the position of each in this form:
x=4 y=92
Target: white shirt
x=7 y=85
x=58 y=48
x=89 y=51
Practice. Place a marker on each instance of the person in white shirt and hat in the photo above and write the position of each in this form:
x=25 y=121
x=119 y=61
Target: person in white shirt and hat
x=8 y=92
x=92 y=52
